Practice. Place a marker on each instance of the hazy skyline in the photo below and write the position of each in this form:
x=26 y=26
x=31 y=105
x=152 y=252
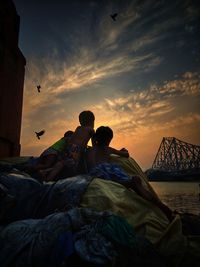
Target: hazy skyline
x=140 y=74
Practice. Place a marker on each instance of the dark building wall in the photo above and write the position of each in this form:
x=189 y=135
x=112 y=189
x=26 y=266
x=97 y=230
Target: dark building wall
x=12 y=69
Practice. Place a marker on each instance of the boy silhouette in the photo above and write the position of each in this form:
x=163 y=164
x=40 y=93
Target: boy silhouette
x=77 y=144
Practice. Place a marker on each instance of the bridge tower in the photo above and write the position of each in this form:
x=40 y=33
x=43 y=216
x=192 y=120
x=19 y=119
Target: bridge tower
x=176 y=155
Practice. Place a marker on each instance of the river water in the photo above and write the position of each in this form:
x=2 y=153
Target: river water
x=180 y=196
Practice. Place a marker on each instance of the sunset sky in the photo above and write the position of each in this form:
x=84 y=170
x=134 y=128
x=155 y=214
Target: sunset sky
x=140 y=74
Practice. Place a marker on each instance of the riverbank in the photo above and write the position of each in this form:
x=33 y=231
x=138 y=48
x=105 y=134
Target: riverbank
x=171 y=176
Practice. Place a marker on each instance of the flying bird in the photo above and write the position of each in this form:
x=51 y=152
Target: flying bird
x=113 y=16
x=38 y=88
x=38 y=134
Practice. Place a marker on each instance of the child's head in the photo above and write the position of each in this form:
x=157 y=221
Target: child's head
x=68 y=135
x=103 y=136
x=86 y=118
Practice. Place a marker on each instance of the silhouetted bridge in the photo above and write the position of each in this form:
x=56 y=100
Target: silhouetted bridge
x=176 y=158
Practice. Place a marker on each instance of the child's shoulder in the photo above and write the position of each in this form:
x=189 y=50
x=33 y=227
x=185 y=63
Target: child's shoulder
x=87 y=128
x=91 y=131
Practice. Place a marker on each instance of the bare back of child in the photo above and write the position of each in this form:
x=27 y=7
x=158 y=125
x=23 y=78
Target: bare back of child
x=100 y=151
x=77 y=144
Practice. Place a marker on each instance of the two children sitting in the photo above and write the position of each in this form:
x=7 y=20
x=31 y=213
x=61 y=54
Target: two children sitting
x=68 y=153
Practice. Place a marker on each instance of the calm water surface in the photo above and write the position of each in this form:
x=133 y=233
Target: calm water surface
x=182 y=196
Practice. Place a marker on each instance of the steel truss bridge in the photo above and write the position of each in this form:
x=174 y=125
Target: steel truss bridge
x=176 y=155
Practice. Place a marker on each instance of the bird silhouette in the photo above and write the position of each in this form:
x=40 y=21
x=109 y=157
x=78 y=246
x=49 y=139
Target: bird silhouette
x=38 y=134
x=113 y=16
x=38 y=88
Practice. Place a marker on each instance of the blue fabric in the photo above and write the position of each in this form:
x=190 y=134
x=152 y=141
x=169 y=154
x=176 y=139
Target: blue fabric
x=33 y=161
x=48 y=242
x=109 y=171
x=64 y=247
x=35 y=200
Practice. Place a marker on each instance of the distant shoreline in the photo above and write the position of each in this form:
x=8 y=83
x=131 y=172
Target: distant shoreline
x=174 y=180
x=167 y=176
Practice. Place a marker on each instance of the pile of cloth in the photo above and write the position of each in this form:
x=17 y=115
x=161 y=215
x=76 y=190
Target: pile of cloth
x=87 y=221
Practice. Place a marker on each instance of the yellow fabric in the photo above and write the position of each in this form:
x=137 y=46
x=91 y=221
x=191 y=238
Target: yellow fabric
x=145 y=217
x=131 y=167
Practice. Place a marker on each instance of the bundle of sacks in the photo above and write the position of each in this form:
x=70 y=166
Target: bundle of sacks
x=87 y=221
